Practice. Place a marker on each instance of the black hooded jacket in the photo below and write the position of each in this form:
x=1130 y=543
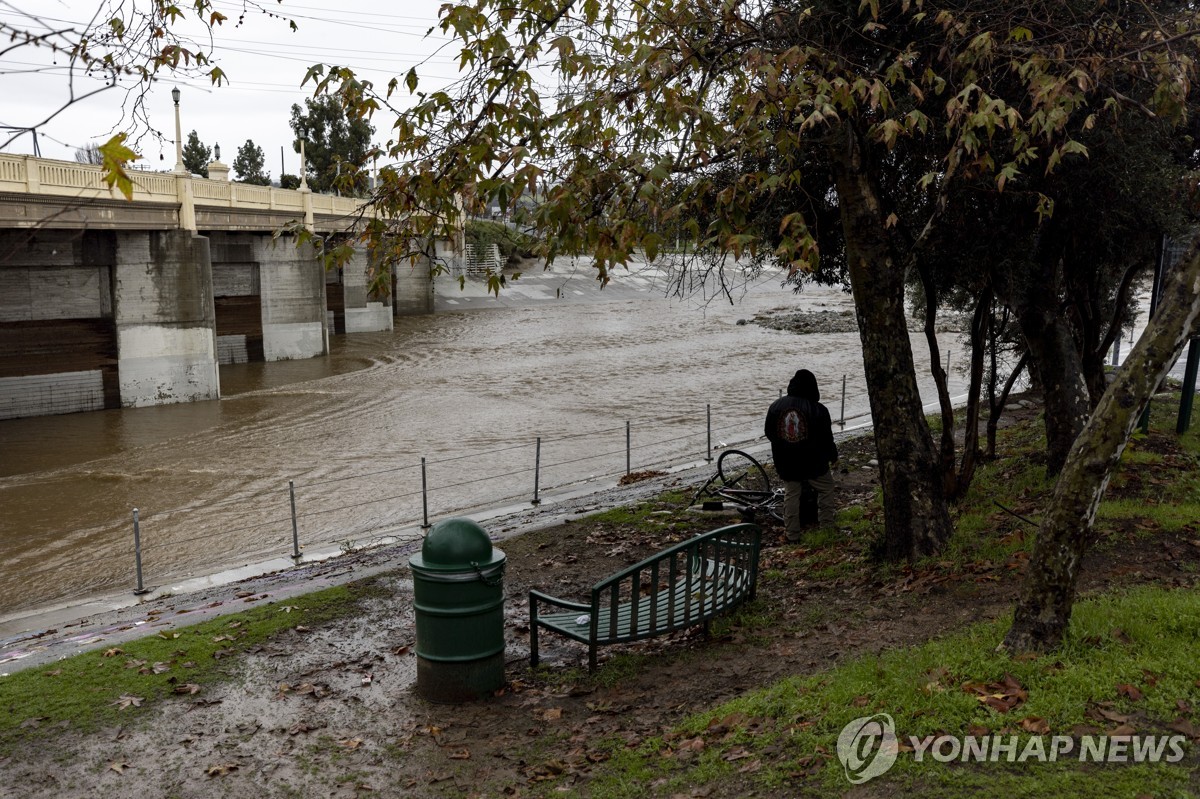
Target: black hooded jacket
x=801 y=431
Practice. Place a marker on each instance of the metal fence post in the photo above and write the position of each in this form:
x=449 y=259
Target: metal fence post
x=708 y=425
x=628 y=470
x=842 y=421
x=424 y=498
x=537 y=470
x=295 y=528
x=137 y=553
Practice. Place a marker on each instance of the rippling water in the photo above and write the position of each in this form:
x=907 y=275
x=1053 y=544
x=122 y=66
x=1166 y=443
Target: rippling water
x=470 y=391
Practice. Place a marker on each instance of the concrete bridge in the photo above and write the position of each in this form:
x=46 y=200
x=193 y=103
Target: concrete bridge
x=107 y=302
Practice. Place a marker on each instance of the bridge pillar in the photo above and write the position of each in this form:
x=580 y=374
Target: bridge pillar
x=412 y=287
x=365 y=313
x=292 y=282
x=165 y=321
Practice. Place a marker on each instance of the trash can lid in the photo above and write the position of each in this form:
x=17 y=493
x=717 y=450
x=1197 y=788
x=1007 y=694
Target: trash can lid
x=456 y=542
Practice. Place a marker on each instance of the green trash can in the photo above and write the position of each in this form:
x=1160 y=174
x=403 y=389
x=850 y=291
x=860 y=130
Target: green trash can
x=458 y=598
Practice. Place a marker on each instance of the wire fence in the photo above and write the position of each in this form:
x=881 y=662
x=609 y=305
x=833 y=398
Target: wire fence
x=354 y=510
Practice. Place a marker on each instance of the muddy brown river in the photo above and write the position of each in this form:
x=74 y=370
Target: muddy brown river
x=470 y=389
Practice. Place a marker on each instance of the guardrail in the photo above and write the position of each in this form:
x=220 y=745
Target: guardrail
x=27 y=174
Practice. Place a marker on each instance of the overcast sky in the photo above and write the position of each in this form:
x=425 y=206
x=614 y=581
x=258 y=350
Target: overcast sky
x=264 y=59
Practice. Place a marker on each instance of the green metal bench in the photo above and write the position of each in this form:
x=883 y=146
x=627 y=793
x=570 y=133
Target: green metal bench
x=685 y=585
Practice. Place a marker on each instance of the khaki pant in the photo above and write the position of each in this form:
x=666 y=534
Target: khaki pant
x=826 y=506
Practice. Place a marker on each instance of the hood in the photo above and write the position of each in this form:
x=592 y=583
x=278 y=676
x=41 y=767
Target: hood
x=804 y=385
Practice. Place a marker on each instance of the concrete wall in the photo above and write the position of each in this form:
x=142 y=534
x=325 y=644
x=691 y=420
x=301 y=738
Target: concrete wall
x=293 y=299
x=165 y=319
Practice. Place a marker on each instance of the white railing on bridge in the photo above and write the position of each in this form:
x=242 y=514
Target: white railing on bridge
x=27 y=174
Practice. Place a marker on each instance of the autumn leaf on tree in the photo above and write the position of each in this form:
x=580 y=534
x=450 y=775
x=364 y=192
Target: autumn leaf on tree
x=115 y=157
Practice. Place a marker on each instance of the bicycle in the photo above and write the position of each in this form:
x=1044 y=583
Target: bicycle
x=743 y=481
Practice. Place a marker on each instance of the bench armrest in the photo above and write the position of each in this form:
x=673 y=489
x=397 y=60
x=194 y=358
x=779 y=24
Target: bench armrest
x=535 y=596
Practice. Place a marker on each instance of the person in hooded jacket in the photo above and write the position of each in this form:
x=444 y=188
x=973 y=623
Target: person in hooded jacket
x=801 y=434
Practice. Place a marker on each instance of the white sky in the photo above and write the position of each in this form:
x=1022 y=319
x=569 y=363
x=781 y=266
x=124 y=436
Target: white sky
x=264 y=60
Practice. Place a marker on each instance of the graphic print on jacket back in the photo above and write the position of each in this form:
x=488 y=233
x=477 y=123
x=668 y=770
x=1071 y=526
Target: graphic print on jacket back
x=793 y=426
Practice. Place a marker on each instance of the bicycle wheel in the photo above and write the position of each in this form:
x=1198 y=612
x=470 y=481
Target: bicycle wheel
x=739 y=470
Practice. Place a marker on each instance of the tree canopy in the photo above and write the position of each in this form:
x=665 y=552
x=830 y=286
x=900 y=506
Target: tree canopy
x=249 y=164
x=337 y=145
x=196 y=155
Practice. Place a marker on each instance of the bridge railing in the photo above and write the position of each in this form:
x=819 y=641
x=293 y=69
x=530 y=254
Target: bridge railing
x=26 y=174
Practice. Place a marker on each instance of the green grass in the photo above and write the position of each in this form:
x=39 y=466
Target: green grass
x=648 y=515
x=1146 y=638
x=85 y=691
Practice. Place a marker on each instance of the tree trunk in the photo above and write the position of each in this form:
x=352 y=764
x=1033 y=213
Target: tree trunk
x=1044 y=610
x=916 y=519
x=997 y=405
x=1060 y=372
x=946 y=440
x=970 y=450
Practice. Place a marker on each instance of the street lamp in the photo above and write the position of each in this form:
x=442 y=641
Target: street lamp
x=216 y=152
x=179 y=167
x=303 y=164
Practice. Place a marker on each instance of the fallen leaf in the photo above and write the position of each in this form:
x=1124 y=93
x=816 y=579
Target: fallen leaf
x=367 y=678
x=548 y=714
x=1035 y=725
x=1002 y=696
x=351 y=743
x=118 y=766
x=461 y=754
x=160 y=667
x=243 y=594
x=112 y=653
x=221 y=769
x=1124 y=729
x=187 y=688
x=300 y=628
x=128 y=700
x=33 y=722
x=54 y=673
x=750 y=767
x=1104 y=714
x=1186 y=727
x=168 y=636
x=401 y=650
x=1130 y=691
x=289 y=608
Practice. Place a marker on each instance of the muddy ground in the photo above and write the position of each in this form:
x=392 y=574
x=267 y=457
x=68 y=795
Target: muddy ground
x=332 y=711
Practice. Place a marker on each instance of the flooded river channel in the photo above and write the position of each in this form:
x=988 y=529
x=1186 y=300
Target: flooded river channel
x=470 y=389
